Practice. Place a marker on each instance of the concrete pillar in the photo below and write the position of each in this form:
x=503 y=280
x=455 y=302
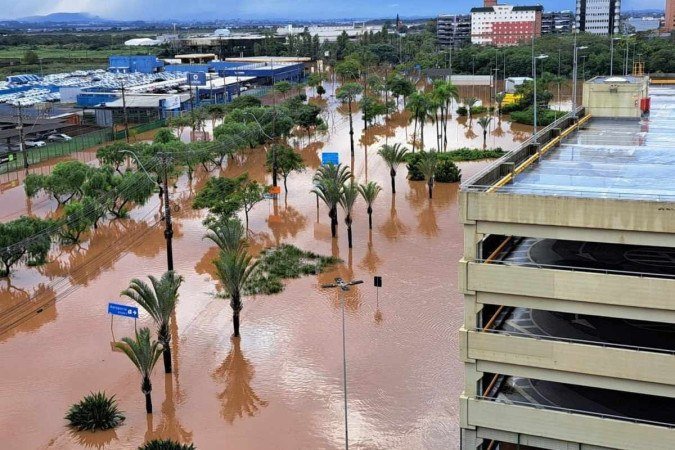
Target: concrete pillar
x=469 y=440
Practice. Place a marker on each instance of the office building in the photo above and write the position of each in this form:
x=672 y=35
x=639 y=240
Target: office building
x=557 y=22
x=598 y=16
x=568 y=277
x=503 y=25
x=669 y=22
x=453 y=31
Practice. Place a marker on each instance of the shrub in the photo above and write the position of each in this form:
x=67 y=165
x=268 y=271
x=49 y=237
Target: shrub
x=447 y=172
x=414 y=173
x=95 y=412
x=462 y=111
x=507 y=109
x=462 y=154
x=165 y=444
x=478 y=110
x=544 y=116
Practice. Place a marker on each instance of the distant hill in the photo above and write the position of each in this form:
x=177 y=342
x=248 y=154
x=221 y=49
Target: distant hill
x=65 y=17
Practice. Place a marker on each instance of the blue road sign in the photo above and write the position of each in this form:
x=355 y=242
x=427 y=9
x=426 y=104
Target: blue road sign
x=197 y=78
x=123 y=310
x=330 y=158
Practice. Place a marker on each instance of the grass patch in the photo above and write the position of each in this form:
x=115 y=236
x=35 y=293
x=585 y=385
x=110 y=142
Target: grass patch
x=282 y=263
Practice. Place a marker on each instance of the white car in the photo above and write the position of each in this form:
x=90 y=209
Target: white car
x=59 y=137
x=31 y=144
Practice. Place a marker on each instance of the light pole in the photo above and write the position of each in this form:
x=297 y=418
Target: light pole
x=343 y=286
x=575 y=75
x=536 y=106
x=611 y=55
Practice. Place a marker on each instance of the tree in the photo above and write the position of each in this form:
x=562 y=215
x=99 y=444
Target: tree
x=485 y=122
x=113 y=154
x=282 y=87
x=132 y=187
x=227 y=234
x=250 y=194
x=233 y=270
x=499 y=98
x=393 y=155
x=79 y=216
x=144 y=354
x=30 y=58
x=218 y=196
x=347 y=93
x=314 y=80
x=287 y=161
x=419 y=105
x=470 y=103
x=350 y=192
x=400 y=87
x=369 y=192
x=64 y=183
x=160 y=302
x=444 y=93
x=307 y=117
x=164 y=136
x=25 y=238
x=427 y=166
x=328 y=184
x=348 y=70
x=320 y=90
x=243 y=101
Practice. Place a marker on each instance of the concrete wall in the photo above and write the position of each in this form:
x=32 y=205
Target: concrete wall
x=614 y=99
x=564 y=426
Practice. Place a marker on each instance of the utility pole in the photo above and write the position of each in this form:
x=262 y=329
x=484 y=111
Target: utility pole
x=126 y=117
x=165 y=159
x=22 y=144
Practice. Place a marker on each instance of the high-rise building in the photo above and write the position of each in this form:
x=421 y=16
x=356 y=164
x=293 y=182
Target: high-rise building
x=568 y=278
x=598 y=16
x=669 y=23
x=503 y=25
x=453 y=30
x=557 y=22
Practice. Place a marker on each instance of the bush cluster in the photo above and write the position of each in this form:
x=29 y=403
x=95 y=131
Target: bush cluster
x=95 y=412
x=544 y=116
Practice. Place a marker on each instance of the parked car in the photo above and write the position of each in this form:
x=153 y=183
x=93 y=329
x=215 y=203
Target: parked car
x=59 y=137
x=31 y=144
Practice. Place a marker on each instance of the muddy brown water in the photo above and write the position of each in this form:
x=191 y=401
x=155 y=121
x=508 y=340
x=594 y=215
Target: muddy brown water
x=280 y=385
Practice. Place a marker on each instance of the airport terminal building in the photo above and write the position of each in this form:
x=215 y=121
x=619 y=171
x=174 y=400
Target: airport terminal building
x=568 y=276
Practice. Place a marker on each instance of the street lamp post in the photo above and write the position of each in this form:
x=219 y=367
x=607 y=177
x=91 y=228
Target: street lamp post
x=536 y=106
x=575 y=75
x=611 y=55
x=343 y=286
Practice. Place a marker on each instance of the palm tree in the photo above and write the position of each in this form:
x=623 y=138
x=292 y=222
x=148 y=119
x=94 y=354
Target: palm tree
x=445 y=92
x=350 y=192
x=144 y=354
x=347 y=93
x=427 y=166
x=417 y=105
x=328 y=184
x=369 y=193
x=393 y=155
x=499 y=98
x=470 y=103
x=234 y=269
x=228 y=235
x=160 y=302
x=485 y=122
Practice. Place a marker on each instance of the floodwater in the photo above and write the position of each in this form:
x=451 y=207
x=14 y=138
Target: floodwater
x=280 y=385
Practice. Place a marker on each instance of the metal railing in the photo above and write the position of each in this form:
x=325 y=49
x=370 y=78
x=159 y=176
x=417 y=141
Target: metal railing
x=573 y=193
x=603 y=344
x=576 y=269
x=574 y=411
x=519 y=154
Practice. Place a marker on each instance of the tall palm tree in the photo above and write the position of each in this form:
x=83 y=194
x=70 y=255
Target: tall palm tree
x=234 y=269
x=393 y=155
x=350 y=192
x=160 y=302
x=470 y=103
x=418 y=106
x=445 y=92
x=427 y=166
x=328 y=184
x=144 y=354
x=228 y=235
x=485 y=122
x=369 y=193
x=499 y=99
x=348 y=93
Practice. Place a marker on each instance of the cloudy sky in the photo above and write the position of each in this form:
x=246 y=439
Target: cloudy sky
x=254 y=9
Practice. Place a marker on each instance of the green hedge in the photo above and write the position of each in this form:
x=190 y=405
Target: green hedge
x=544 y=116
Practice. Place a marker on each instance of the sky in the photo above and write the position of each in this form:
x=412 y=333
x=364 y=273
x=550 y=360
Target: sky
x=262 y=9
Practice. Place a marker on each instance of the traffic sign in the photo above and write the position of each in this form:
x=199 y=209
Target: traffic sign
x=122 y=310
x=378 y=281
x=330 y=158
x=197 y=78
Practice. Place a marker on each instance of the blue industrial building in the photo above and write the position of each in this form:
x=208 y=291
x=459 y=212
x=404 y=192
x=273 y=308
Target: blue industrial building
x=134 y=64
x=272 y=72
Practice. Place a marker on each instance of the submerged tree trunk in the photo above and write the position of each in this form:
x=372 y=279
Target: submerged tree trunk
x=348 y=221
x=370 y=217
x=333 y=221
x=165 y=339
x=431 y=189
x=235 y=323
x=146 y=387
x=148 y=403
x=392 y=172
x=351 y=129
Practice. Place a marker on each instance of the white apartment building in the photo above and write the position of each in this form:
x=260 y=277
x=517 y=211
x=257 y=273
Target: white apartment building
x=598 y=16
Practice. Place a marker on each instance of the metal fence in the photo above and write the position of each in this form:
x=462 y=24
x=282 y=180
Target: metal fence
x=142 y=128
x=56 y=149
